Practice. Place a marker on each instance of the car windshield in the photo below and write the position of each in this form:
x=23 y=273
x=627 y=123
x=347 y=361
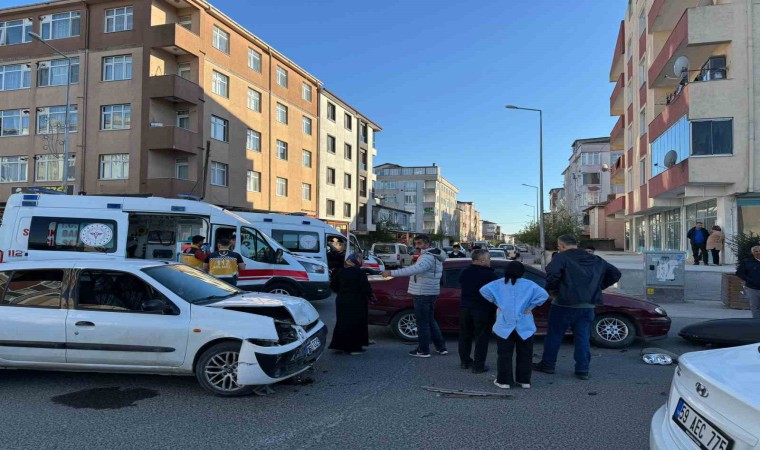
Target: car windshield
x=194 y=286
x=497 y=254
x=383 y=249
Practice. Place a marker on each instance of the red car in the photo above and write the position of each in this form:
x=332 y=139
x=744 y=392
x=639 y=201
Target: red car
x=619 y=321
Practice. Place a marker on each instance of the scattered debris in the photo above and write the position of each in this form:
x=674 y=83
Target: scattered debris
x=592 y=393
x=263 y=391
x=463 y=393
x=428 y=415
x=105 y=398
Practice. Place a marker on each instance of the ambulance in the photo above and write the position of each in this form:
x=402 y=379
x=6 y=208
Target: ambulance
x=48 y=226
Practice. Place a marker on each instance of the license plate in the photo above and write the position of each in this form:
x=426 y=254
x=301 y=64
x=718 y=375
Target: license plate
x=312 y=346
x=699 y=429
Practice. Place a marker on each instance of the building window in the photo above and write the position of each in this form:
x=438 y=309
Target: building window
x=643 y=71
x=181 y=169
x=220 y=84
x=363 y=186
x=330 y=207
x=220 y=40
x=347 y=180
x=363 y=160
x=306 y=92
x=331 y=144
x=629 y=179
x=117 y=68
x=629 y=136
x=306 y=158
x=331 y=111
x=642 y=21
x=305 y=191
x=712 y=137
x=119 y=19
x=15 y=76
x=642 y=171
x=53 y=73
x=672 y=229
x=705 y=212
x=114 y=167
x=348 y=152
x=364 y=133
x=282 y=77
x=183 y=119
x=52 y=118
x=253 y=140
x=282 y=113
x=348 y=121
x=675 y=138
x=115 y=117
x=183 y=70
x=218 y=174
x=186 y=22
x=347 y=210
x=713 y=69
x=282 y=187
x=254 y=60
x=60 y=26
x=254 y=100
x=331 y=176
x=592 y=178
x=253 y=181
x=50 y=167
x=642 y=122
x=306 y=125
x=219 y=128
x=13 y=168
x=14 y=122
x=282 y=150
x=589 y=158
x=15 y=32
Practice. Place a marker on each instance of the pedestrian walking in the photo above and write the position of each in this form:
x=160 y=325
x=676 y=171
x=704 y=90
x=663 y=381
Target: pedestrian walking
x=697 y=236
x=715 y=244
x=457 y=252
x=476 y=314
x=749 y=272
x=195 y=255
x=224 y=264
x=424 y=286
x=515 y=298
x=576 y=280
x=353 y=291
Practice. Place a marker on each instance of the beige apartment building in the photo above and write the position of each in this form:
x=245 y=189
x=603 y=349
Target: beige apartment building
x=684 y=74
x=468 y=221
x=152 y=83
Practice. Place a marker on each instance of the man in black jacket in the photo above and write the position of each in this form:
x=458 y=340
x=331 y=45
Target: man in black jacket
x=457 y=252
x=749 y=272
x=698 y=238
x=476 y=313
x=575 y=279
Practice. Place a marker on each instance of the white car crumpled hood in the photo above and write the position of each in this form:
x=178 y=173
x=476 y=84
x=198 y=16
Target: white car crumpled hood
x=302 y=311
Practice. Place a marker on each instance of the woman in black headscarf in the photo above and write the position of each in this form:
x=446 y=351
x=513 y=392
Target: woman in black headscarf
x=353 y=292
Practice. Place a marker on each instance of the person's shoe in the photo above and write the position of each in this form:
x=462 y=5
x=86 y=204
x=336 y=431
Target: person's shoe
x=442 y=352
x=418 y=354
x=482 y=369
x=540 y=367
x=524 y=385
x=500 y=385
x=465 y=365
x=581 y=375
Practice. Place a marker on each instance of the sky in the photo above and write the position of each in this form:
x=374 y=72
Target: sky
x=436 y=75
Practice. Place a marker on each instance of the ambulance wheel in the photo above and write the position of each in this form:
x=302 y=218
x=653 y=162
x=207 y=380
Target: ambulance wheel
x=282 y=289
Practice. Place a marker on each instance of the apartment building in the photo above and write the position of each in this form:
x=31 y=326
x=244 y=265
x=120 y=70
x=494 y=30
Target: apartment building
x=490 y=230
x=465 y=218
x=167 y=98
x=556 y=199
x=423 y=191
x=684 y=74
x=478 y=224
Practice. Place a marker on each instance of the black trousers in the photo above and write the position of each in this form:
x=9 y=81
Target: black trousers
x=700 y=252
x=505 y=348
x=474 y=324
x=715 y=256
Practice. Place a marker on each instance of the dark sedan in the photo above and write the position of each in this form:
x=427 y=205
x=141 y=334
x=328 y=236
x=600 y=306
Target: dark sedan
x=619 y=321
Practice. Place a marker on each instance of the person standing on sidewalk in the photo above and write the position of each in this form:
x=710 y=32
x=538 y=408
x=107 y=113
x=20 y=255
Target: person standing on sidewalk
x=425 y=285
x=715 y=244
x=698 y=238
x=515 y=298
x=476 y=314
x=576 y=280
x=749 y=272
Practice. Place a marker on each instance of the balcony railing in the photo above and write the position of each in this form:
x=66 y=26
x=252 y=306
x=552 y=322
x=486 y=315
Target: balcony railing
x=619 y=55
x=616 y=99
x=615 y=206
x=174 y=88
x=173 y=138
x=175 y=39
x=617 y=137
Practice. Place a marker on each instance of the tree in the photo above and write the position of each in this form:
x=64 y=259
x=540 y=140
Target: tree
x=385 y=231
x=555 y=225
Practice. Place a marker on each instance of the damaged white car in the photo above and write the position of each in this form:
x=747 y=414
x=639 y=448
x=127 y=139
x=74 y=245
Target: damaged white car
x=152 y=317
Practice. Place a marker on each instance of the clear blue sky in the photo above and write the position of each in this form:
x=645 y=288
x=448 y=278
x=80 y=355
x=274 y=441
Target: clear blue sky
x=437 y=74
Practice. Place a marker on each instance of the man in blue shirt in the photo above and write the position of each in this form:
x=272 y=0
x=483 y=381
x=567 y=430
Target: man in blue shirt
x=698 y=238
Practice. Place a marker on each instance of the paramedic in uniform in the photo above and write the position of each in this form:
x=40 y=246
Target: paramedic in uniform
x=224 y=264
x=195 y=256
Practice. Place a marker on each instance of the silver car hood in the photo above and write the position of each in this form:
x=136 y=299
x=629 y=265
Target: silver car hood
x=302 y=311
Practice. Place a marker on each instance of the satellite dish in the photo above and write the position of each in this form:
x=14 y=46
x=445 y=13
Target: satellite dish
x=670 y=158
x=605 y=167
x=681 y=66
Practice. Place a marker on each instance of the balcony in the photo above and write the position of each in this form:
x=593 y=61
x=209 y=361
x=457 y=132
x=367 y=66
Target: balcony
x=616 y=99
x=676 y=108
x=664 y=14
x=175 y=39
x=672 y=182
x=616 y=206
x=168 y=187
x=617 y=58
x=617 y=136
x=617 y=172
x=696 y=35
x=173 y=138
x=174 y=89
x=643 y=199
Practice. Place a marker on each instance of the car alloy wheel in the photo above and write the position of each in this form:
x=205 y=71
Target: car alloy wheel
x=221 y=371
x=404 y=326
x=613 y=331
x=279 y=291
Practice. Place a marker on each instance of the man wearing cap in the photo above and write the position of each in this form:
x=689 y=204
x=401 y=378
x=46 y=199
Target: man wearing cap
x=195 y=255
x=457 y=252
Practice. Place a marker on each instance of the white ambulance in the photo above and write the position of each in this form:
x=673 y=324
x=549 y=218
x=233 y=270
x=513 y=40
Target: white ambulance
x=48 y=226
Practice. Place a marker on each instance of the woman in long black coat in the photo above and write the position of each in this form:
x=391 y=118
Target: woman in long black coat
x=353 y=292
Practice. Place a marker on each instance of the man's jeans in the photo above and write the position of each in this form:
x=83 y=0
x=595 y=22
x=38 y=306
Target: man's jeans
x=754 y=301
x=580 y=320
x=427 y=327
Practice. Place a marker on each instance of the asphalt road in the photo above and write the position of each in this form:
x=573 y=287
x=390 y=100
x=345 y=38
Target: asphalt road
x=373 y=400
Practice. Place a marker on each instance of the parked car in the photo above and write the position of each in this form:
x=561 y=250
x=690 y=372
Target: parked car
x=138 y=316
x=497 y=253
x=619 y=321
x=510 y=250
x=392 y=255
x=714 y=402
x=522 y=248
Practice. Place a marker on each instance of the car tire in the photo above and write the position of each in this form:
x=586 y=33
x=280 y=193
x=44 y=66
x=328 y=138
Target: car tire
x=404 y=325
x=612 y=331
x=282 y=288
x=216 y=370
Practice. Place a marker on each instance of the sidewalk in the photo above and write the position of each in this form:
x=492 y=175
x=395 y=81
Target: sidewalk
x=704 y=310
x=623 y=260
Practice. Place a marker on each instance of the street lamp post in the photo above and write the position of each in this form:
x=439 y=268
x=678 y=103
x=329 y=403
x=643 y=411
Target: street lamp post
x=537 y=196
x=535 y=216
x=65 y=183
x=540 y=179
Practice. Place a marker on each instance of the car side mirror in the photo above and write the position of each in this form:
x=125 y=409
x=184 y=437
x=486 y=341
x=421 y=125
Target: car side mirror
x=157 y=305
